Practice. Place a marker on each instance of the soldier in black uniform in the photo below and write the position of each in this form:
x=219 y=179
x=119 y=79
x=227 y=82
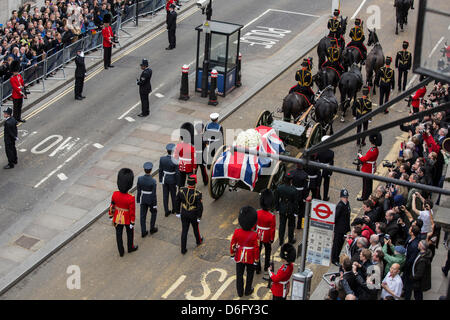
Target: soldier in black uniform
x=403 y=62
x=361 y=106
x=385 y=79
x=80 y=73
x=300 y=183
x=171 y=27
x=341 y=226
x=200 y=146
x=357 y=36
x=304 y=80
x=286 y=205
x=168 y=177
x=10 y=137
x=334 y=58
x=189 y=201
x=334 y=25
x=326 y=157
x=144 y=88
x=146 y=196
x=314 y=179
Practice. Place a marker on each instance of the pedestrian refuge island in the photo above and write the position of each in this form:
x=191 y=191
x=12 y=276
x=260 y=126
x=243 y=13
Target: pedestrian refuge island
x=223 y=53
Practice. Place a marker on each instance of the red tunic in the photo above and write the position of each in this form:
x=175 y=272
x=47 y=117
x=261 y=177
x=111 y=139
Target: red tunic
x=185 y=154
x=280 y=280
x=17 y=86
x=123 y=208
x=244 y=246
x=420 y=93
x=107 y=34
x=168 y=4
x=369 y=164
x=265 y=226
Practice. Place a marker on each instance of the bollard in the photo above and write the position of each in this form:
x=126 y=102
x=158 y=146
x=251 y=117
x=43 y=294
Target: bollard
x=212 y=90
x=184 y=89
x=238 y=71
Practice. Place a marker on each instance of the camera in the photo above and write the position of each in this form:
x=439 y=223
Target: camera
x=387 y=236
x=201 y=4
x=388 y=164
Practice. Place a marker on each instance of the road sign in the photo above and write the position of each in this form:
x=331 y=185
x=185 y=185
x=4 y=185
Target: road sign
x=320 y=237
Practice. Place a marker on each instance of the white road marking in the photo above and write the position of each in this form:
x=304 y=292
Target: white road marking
x=255 y=19
x=129 y=119
x=62 y=176
x=22 y=150
x=411 y=81
x=136 y=104
x=159 y=95
x=298 y=13
x=61 y=165
x=359 y=9
x=98 y=145
x=174 y=286
x=436 y=46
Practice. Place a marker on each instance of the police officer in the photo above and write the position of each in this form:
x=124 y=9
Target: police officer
x=385 y=79
x=280 y=280
x=341 y=227
x=213 y=136
x=358 y=37
x=334 y=57
x=403 y=62
x=200 y=146
x=326 y=157
x=168 y=176
x=10 y=137
x=361 y=106
x=146 y=196
x=190 y=208
x=300 y=183
x=144 y=88
x=304 y=80
x=369 y=164
x=171 y=27
x=80 y=73
x=286 y=205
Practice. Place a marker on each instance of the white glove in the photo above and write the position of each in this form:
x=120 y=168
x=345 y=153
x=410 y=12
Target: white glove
x=110 y=218
x=198 y=220
x=178 y=215
x=232 y=258
x=295 y=215
x=131 y=226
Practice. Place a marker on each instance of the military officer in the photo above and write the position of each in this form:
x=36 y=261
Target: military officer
x=326 y=157
x=171 y=27
x=314 y=179
x=145 y=88
x=10 y=137
x=80 y=73
x=185 y=153
x=334 y=57
x=168 y=176
x=265 y=227
x=146 y=196
x=214 y=137
x=122 y=210
x=190 y=208
x=200 y=146
x=300 y=183
x=358 y=37
x=403 y=62
x=334 y=25
x=18 y=90
x=369 y=164
x=244 y=250
x=341 y=227
x=385 y=79
x=303 y=77
x=286 y=204
x=361 y=107
x=280 y=280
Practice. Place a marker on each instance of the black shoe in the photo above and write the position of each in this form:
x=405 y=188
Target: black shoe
x=78 y=98
x=326 y=199
x=133 y=249
x=142 y=115
x=21 y=120
x=386 y=111
x=144 y=234
x=443 y=271
x=167 y=213
x=258 y=271
x=82 y=97
x=363 y=143
x=106 y=68
x=121 y=254
x=8 y=166
x=292 y=241
x=250 y=292
x=201 y=242
x=336 y=263
x=169 y=48
x=359 y=199
x=111 y=66
x=154 y=230
x=183 y=251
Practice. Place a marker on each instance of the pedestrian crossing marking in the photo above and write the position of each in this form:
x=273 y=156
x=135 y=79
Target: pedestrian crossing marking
x=129 y=119
x=62 y=176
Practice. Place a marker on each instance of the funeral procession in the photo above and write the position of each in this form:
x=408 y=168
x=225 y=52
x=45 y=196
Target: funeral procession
x=225 y=150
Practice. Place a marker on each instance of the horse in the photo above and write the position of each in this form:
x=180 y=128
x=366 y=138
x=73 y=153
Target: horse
x=326 y=77
x=401 y=13
x=350 y=56
x=375 y=58
x=325 y=42
x=326 y=108
x=349 y=85
x=294 y=104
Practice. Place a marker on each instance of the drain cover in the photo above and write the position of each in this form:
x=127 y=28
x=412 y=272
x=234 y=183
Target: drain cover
x=26 y=242
x=213 y=249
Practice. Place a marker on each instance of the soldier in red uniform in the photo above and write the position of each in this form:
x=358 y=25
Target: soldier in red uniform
x=244 y=249
x=185 y=153
x=280 y=280
x=369 y=164
x=108 y=37
x=122 y=210
x=418 y=96
x=18 y=90
x=265 y=227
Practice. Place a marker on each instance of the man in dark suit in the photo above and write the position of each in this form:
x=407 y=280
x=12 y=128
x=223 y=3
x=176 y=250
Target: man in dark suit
x=171 y=27
x=168 y=176
x=146 y=196
x=144 y=88
x=341 y=226
x=80 y=73
x=10 y=137
x=326 y=157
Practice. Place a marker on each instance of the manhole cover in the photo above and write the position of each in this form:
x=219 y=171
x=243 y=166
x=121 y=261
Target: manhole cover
x=26 y=242
x=213 y=249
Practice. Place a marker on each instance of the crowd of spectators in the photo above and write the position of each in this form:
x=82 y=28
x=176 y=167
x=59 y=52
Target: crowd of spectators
x=32 y=34
x=391 y=246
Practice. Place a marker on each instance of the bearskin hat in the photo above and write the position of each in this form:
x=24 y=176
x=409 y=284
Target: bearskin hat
x=247 y=218
x=107 y=18
x=15 y=66
x=125 y=180
x=288 y=252
x=187 y=132
x=266 y=199
x=376 y=139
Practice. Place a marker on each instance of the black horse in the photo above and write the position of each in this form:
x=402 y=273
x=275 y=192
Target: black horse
x=375 y=58
x=401 y=13
x=349 y=85
x=294 y=105
x=326 y=108
x=325 y=42
x=326 y=77
x=351 y=55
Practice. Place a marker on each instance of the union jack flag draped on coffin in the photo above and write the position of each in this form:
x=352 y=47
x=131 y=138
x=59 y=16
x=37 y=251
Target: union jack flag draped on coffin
x=244 y=167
